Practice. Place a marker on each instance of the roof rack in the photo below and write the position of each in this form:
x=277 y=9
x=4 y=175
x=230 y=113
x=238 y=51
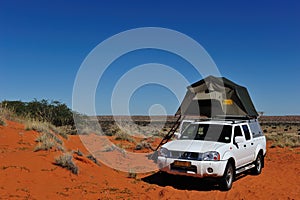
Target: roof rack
x=234 y=118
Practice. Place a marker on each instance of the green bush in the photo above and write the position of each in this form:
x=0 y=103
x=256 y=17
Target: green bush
x=53 y=112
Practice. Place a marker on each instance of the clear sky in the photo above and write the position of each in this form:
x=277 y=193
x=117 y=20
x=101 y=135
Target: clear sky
x=254 y=43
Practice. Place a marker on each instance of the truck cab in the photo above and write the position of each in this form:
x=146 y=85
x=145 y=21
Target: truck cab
x=216 y=148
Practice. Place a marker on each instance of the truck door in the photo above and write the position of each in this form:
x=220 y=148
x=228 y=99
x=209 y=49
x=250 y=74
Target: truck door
x=250 y=146
x=239 y=149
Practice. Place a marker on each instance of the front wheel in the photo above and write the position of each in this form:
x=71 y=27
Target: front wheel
x=227 y=179
x=258 y=164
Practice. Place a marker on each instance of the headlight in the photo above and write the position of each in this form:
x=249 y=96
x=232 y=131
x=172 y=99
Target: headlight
x=163 y=152
x=211 y=156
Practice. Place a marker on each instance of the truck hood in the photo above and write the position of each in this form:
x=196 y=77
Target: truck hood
x=199 y=146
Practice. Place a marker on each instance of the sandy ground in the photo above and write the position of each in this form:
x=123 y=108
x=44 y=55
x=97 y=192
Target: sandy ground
x=25 y=174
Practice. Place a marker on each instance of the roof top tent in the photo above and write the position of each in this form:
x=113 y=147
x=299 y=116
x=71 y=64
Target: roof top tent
x=215 y=97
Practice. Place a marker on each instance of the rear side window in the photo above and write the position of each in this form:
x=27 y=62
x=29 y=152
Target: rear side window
x=246 y=132
x=256 y=130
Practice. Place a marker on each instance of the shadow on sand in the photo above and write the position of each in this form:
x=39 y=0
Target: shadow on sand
x=181 y=182
x=185 y=182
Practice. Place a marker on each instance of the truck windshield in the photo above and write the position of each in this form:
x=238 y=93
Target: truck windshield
x=208 y=132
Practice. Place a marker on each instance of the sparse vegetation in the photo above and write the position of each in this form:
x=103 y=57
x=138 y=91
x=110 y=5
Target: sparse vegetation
x=92 y=158
x=53 y=112
x=47 y=141
x=121 y=135
x=109 y=148
x=142 y=145
x=2 y=117
x=78 y=152
x=284 y=140
x=2 y=122
x=132 y=174
x=45 y=127
x=66 y=161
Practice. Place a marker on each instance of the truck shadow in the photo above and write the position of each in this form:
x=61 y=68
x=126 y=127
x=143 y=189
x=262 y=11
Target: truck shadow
x=181 y=182
x=185 y=182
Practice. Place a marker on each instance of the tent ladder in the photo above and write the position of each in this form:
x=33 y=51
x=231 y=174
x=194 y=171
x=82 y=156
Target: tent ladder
x=171 y=132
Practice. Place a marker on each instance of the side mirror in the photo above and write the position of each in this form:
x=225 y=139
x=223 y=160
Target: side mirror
x=239 y=139
x=177 y=135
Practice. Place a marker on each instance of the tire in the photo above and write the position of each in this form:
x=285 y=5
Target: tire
x=258 y=164
x=228 y=177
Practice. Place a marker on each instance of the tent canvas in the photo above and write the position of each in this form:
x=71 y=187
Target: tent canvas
x=213 y=96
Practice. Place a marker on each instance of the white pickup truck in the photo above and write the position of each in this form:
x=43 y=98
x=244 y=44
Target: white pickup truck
x=218 y=148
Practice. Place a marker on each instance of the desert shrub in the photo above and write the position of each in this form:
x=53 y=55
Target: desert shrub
x=45 y=142
x=78 y=152
x=123 y=136
x=92 y=158
x=63 y=131
x=6 y=114
x=66 y=161
x=2 y=122
x=46 y=145
x=284 y=140
x=48 y=141
x=37 y=126
x=132 y=174
x=111 y=129
x=47 y=128
x=109 y=148
x=142 y=145
x=86 y=125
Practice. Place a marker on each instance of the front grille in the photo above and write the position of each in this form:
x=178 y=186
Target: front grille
x=186 y=155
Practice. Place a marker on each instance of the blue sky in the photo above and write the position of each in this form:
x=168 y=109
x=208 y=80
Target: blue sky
x=254 y=43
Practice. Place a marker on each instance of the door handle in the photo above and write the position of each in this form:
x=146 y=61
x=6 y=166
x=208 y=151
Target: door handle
x=245 y=145
x=251 y=143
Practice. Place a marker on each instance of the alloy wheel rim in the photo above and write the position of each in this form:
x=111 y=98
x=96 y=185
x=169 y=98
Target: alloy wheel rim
x=258 y=164
x=229 y=176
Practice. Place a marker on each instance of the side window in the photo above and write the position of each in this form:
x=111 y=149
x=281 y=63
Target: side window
x=246 y=132
x=237 y=131
x=190 y=132
x=184 y=125
x=255 y=129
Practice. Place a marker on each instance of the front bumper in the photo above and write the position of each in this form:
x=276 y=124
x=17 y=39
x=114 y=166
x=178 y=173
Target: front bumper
x=195 y=168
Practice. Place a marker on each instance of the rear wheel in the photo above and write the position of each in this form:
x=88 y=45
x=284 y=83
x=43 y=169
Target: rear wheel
x=258 y=164
x=228 y=177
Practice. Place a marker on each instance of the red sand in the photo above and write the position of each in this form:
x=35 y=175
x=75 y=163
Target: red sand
x=25 y=174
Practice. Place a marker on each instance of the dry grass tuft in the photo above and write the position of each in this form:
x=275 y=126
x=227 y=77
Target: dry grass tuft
x=132 y=174
x=48 y=141
x=143 y=145
x=124 y=136
x=66 y=161
x=2 y=121
x=92 y=158
x=46 y=127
